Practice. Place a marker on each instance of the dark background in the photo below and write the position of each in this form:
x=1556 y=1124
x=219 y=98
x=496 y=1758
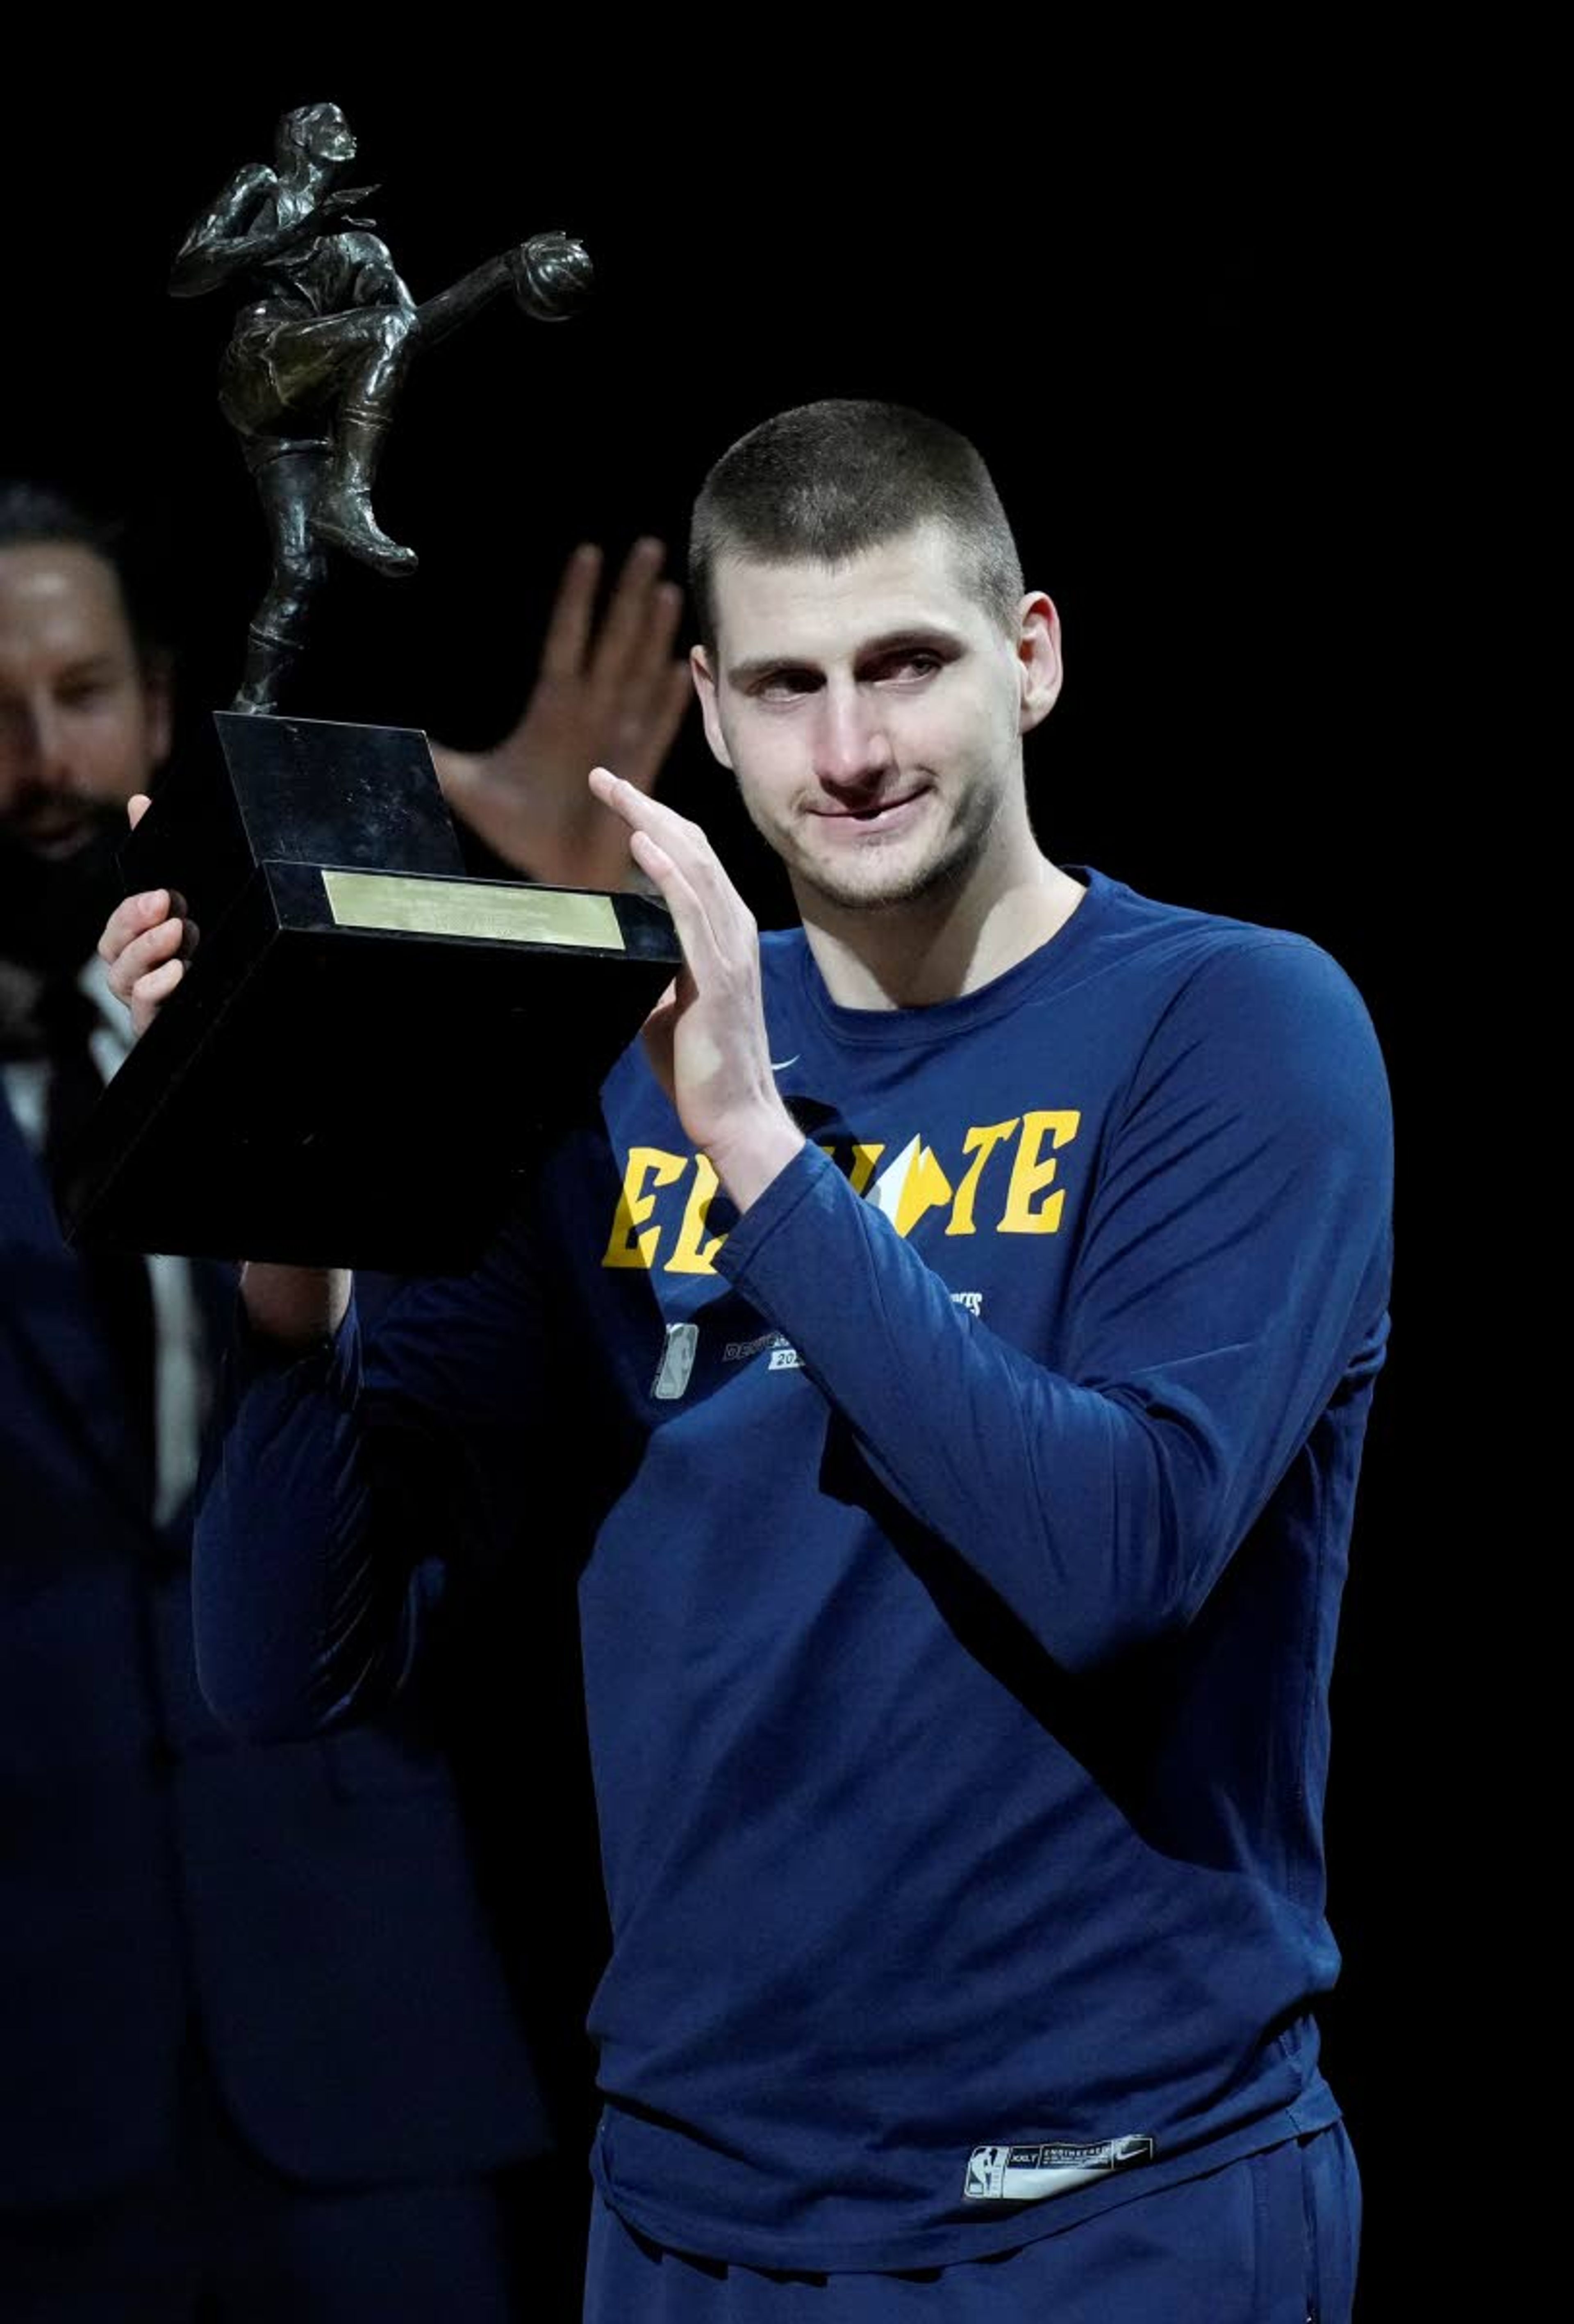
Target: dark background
x=1181 y=361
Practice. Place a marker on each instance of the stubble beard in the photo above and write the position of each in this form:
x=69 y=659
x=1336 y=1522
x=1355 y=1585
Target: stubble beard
x=876 y=885
x=52 y=908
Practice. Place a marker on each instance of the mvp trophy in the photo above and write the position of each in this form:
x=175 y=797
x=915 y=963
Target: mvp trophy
x=367 y=1047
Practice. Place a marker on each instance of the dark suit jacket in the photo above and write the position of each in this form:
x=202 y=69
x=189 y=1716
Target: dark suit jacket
x=311 y=1909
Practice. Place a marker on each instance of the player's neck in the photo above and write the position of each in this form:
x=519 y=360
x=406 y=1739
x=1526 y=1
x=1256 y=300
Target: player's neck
x=944 y=944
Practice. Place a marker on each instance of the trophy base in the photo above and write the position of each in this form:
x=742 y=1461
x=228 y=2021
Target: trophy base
x=365 y=1068
x=361 y=1061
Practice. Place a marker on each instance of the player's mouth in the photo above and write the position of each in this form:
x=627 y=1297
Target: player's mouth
x=892 y=813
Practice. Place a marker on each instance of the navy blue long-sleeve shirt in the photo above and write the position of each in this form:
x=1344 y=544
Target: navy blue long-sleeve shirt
x=959 y=1624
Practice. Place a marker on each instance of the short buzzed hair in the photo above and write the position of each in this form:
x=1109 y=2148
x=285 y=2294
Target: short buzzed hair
x=826 y=481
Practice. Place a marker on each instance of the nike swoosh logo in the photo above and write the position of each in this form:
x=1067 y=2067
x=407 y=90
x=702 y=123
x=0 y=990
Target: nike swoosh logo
x=781 y=1065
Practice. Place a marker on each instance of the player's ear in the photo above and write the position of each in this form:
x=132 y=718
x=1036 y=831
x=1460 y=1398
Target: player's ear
x=705 y=684
x=1040 y=668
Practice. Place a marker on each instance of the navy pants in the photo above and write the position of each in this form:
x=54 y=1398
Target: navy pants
x=1271 y=2239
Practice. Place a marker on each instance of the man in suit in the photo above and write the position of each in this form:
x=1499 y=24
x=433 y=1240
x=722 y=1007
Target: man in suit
x=261 y=2052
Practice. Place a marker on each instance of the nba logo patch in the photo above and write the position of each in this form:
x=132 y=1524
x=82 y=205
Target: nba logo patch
x=677 y=1355
x=986 y=2174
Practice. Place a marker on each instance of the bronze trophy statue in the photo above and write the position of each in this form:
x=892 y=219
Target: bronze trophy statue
x=369 y=1046
x=314 y=364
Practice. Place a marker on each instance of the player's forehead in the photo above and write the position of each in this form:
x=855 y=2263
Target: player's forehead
x=803 y=608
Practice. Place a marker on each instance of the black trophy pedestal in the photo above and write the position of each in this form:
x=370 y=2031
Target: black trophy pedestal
x=367 y=1049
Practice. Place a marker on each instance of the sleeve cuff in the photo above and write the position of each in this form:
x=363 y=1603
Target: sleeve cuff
x=256 y=1356
x=796 y=1184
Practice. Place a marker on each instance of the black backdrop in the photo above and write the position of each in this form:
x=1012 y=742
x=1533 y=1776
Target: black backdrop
x=1178 y=364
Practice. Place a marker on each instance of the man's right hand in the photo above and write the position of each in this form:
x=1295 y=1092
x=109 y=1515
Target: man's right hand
x=144 y=944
